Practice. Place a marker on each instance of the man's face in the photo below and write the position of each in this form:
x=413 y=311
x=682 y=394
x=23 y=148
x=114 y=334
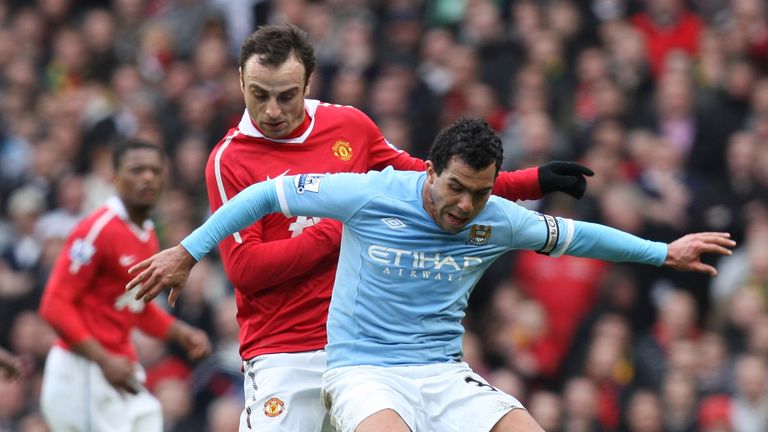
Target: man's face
x=274 y=95
x=139 y=178
x=456 y=196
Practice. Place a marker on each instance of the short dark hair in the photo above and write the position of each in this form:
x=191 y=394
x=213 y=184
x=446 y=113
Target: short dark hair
x=473 y=141
x=124 y=147
x=274 y=43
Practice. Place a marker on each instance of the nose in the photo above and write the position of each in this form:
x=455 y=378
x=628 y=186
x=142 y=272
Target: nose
x=273 y=109
x=465 y=203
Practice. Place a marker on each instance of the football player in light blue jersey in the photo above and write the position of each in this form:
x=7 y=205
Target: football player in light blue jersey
x=414 y=245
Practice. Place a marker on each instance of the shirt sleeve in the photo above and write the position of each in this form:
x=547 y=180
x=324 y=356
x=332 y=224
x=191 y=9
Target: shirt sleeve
x=72 y=274
x=326 y=195
x=252 y=263
x=154 y=321
x=250 y=205
x=556 y=236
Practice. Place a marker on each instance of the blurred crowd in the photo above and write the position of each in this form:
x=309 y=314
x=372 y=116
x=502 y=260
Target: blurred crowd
x=666 y=100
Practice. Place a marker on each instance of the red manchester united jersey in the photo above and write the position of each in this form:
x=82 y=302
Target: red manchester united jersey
x=85 y=296
x=283 y=268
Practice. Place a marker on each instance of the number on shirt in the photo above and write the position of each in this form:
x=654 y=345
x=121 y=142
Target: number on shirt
x=301 y=223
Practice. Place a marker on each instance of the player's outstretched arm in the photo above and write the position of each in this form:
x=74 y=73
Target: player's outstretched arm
x=166 y=269
x=685 y=252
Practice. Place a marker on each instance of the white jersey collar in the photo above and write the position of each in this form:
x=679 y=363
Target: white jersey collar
x=116 y=205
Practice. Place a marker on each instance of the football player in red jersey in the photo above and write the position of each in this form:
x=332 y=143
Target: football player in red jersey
x=283 y=268
x=92 y=380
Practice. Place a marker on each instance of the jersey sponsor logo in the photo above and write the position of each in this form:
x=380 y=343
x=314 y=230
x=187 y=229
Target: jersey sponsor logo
x=126 y=260
x=342 y=150
x=307 y=182
x=421 y=260
x=274 y=407
x=479 y=235
x=81 y=252
x=393 y=223
x=127 y=300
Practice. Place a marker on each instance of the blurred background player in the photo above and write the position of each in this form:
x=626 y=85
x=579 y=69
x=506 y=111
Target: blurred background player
x=283 y=268
x=92 y=380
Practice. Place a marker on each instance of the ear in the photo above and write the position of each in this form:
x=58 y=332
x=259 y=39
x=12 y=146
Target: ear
x=431 y=172
x=242 y=81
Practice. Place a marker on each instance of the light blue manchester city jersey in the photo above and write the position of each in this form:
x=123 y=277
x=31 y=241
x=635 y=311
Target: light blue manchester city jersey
x=403 y=282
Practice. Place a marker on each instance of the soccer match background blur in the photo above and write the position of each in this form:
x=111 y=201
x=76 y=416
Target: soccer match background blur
x=666 y=100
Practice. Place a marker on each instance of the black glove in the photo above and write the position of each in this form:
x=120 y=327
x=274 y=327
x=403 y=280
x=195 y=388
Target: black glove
x=566 y=177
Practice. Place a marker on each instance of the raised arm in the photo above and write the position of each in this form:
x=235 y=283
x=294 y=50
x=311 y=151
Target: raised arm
x=254 y=263
x=170 y=268
x=556 y=236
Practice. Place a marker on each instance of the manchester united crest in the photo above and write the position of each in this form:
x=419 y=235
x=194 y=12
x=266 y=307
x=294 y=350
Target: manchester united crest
x=479 y=235
x=273 y=407
x=342 y=150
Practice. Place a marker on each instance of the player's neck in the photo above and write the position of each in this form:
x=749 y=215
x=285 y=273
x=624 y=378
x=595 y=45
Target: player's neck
x=137 y=215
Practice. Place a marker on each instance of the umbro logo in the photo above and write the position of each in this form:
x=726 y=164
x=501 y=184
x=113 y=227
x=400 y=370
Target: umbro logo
x=393 y=223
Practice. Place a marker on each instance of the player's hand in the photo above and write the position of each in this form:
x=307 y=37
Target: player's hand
x=10 y=365
x=119 y=372
x=685 y=252
x=167 y=269
x=568 y=177
x=194 y=340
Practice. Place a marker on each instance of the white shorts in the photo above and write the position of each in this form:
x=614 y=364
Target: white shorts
x=282 y=393
x=75 y=396
x=441 y=397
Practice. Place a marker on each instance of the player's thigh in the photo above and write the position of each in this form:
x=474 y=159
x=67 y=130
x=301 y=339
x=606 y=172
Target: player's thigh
x=65 y=392
x=354 y=394
x=76 y=396
x=383 y=421
x=517 y=420
x=146 y=413
x=282 y=392
x=457 y=399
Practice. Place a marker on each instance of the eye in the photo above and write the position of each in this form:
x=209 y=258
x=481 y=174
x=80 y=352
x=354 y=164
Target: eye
x=455 y=188
x=285 y=98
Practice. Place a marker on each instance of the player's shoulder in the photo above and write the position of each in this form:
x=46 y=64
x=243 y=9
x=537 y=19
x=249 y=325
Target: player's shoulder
x=232 y=135
x=96 y=227
x=388 y=181
x=343 y=114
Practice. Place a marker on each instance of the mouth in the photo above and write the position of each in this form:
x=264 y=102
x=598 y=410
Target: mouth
x=456 y=221
x=148 y=192
x=274 y=125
